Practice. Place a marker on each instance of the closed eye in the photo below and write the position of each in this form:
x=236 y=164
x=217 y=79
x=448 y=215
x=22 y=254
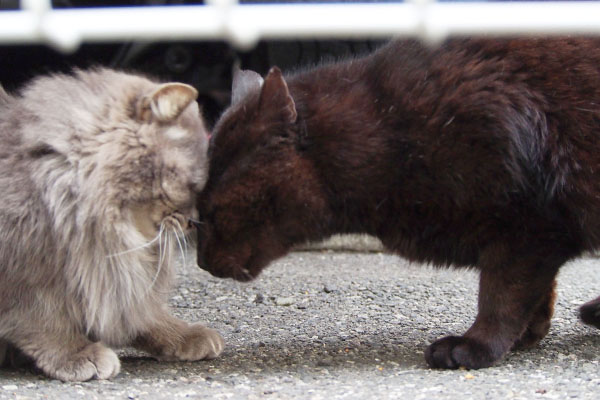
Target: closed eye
x=41 y=150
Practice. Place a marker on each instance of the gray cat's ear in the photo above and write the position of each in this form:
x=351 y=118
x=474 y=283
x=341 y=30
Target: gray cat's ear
x=244 y=82
x=167 y=102
x=275 y=96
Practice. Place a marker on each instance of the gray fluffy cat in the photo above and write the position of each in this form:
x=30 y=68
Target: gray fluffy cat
x=98 y=177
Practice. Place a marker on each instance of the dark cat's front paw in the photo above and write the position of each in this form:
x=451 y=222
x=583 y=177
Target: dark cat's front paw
x=532 y=336
x=458 y=351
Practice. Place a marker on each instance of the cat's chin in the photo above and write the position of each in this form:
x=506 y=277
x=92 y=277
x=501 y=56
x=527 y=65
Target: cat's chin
x=243 y=275
x=237 y=273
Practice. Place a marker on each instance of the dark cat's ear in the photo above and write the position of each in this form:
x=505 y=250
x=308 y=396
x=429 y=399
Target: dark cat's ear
x=244 y=82
x=167 y=102
x=275 y=96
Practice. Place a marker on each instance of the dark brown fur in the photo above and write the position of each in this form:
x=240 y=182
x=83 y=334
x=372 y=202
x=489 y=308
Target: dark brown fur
x=478 y=153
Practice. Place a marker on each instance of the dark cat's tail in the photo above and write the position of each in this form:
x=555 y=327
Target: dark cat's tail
x=590 y=312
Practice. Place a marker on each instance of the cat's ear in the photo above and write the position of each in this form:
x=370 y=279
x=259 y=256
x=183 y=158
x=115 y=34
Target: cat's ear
x=244 y=82
x=275 y=96
x=166 y=102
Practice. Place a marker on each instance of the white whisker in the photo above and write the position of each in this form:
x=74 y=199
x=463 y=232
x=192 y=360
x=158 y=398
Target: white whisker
x=150 y=243
x=161 y=254
x=181 y=247
x=162 y=246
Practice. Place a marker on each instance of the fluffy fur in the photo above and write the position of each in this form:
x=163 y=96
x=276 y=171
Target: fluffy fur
x=96 y=198
x=478 y=153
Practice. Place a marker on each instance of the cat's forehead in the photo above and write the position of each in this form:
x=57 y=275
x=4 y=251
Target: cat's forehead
x=237 y=116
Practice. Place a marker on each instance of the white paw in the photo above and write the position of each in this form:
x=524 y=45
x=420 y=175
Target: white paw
x=200 y=343
x=94 y=361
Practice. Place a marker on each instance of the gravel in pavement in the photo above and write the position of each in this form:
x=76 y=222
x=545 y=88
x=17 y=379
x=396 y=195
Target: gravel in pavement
x=331 y=325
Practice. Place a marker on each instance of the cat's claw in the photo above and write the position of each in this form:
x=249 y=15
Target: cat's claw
x=94 y=361
x=200 y=343
x=454 y=352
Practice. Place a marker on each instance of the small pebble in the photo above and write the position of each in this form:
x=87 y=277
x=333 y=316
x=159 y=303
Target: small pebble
x=284 y=301
x=259 y=299
x=325 y=362
x=330 y=288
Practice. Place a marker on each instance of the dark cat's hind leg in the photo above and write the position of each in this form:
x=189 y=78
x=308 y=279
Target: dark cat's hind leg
x=509 y=295
x=590 y=312
x=539 y=325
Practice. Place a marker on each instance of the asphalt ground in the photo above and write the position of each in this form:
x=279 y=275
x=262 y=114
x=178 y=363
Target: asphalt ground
x=345 y=325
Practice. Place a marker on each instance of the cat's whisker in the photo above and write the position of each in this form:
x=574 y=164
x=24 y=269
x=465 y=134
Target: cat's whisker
x=183 y=247
x=150 y=243
x=161 y=253
x=92 y=223
x=195 y=222
x=183 y=235
x=162 y=245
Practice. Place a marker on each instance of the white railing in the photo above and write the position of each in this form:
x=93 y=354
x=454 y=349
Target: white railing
x=244 y=25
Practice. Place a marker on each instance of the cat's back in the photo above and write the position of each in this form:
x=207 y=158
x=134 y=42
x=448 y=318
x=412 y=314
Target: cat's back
x=12 y=119
x=519 y=115
x=560 y=69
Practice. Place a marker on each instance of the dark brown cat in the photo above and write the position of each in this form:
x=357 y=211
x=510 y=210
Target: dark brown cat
x=478 y=153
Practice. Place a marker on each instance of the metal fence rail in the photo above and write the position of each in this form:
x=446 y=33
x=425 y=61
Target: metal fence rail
x=243 y=25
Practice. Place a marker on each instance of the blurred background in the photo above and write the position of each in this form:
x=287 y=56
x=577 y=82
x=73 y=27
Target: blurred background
x=206 y=65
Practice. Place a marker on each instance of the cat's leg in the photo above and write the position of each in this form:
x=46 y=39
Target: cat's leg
x=69 y=358
x=539 y=325
x=11 y=356
x=4 y=358
x=590 y=312
x=172 y=339
x=508 y=297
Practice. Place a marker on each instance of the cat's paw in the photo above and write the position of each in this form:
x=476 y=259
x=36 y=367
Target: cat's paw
x=590 y=312
x=454 y=352
x=200 y=343
x=532 y=335
x=94 y=361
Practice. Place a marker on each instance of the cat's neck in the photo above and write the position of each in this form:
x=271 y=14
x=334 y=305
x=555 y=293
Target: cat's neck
x=344 y=128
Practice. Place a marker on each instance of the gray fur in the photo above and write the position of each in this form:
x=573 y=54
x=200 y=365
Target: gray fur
x=90 y=170
x=4 y=97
